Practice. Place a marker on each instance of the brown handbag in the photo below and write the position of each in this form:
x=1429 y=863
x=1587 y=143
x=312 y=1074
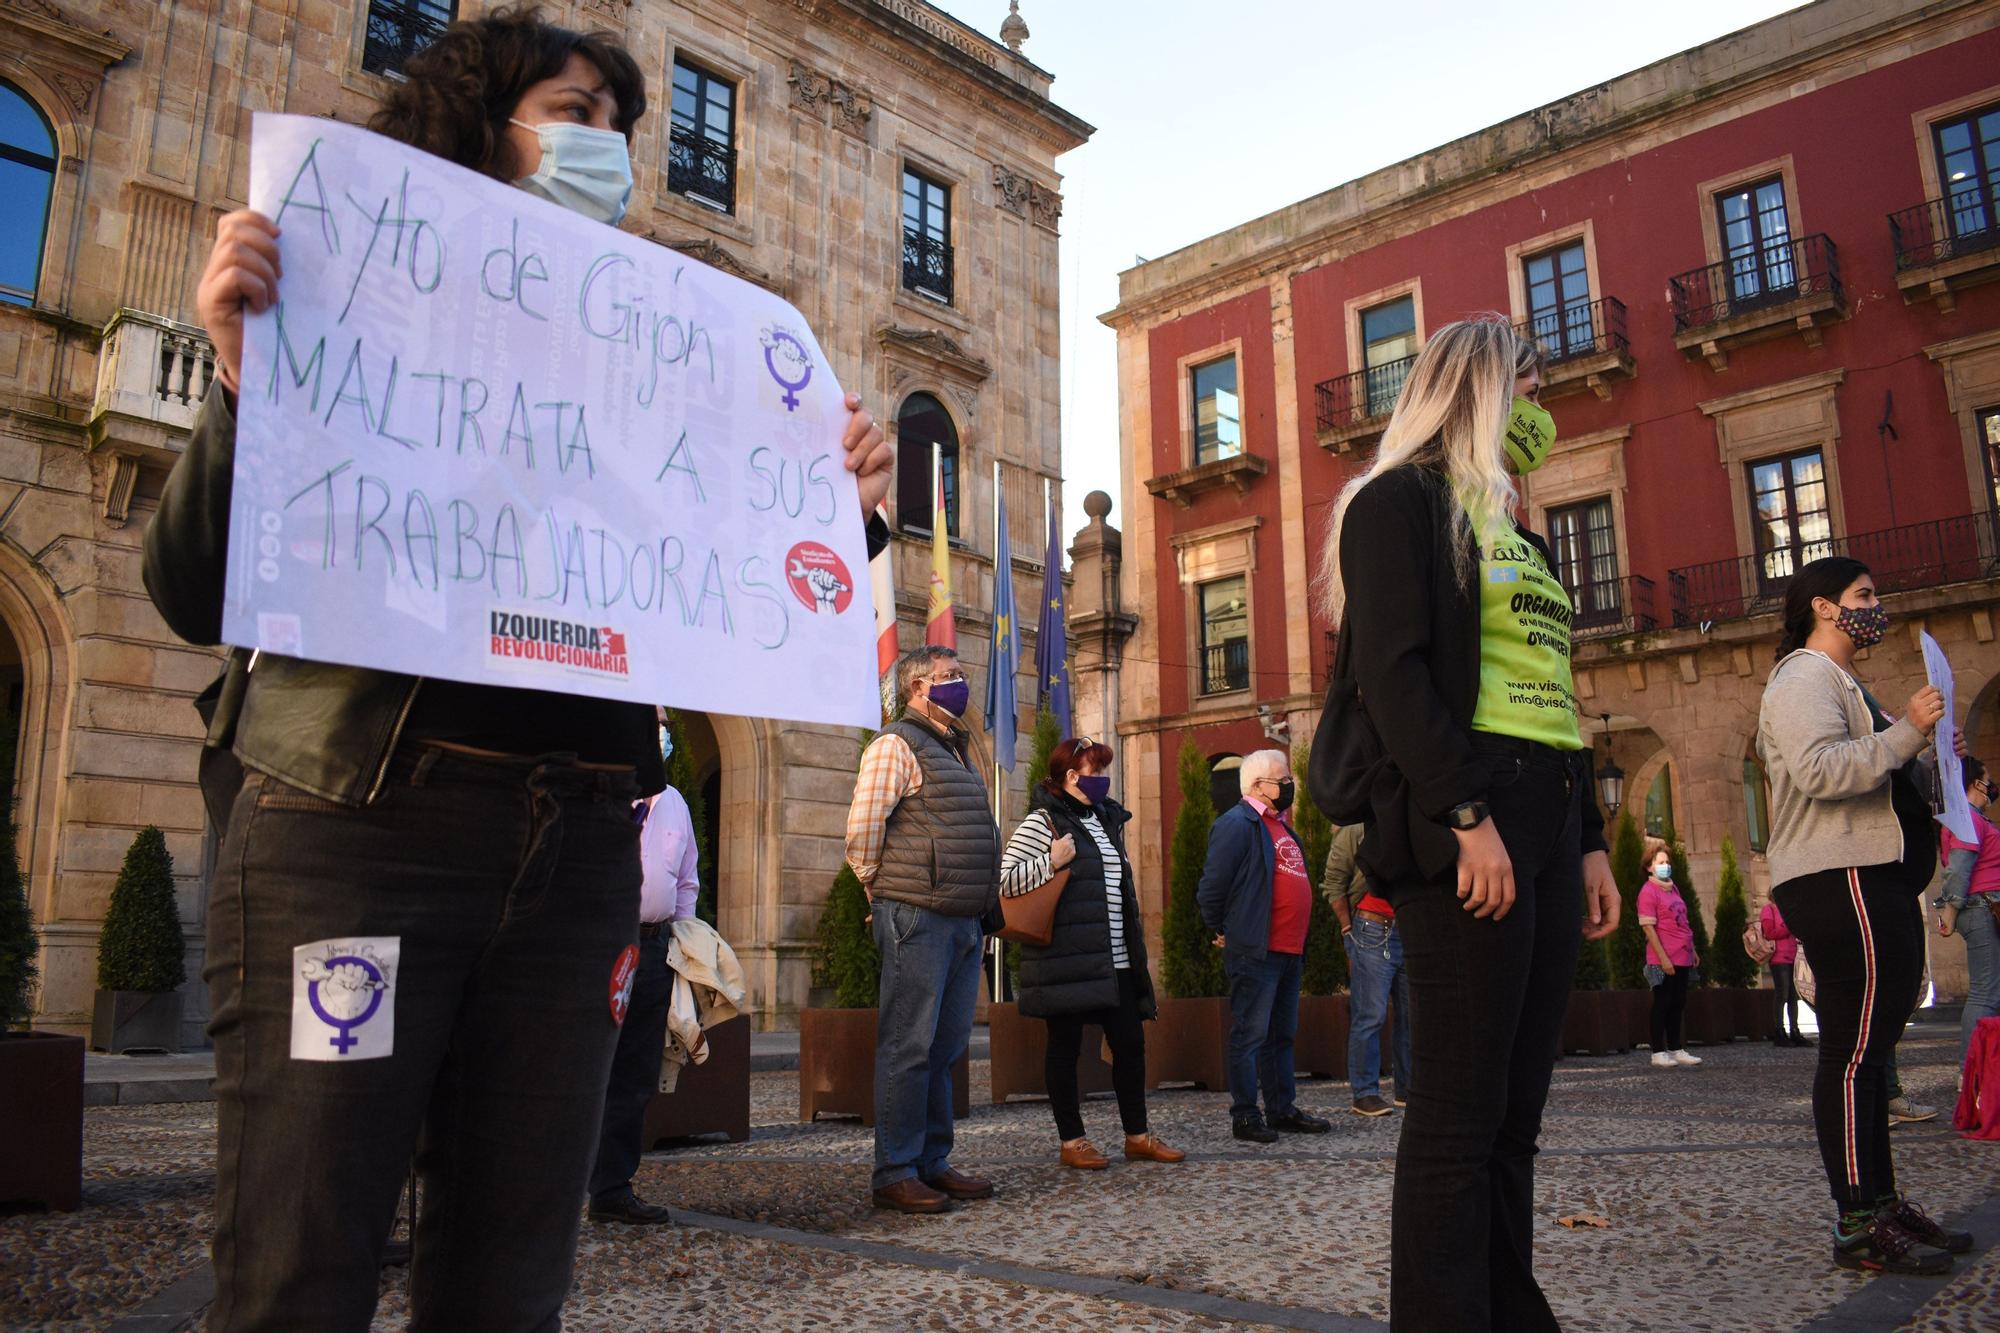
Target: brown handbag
x=1031 y=916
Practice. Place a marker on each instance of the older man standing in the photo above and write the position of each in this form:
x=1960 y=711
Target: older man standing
x=1257 y=895
x=922 y=841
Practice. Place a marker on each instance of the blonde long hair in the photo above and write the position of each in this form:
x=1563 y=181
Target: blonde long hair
x=1451 y=416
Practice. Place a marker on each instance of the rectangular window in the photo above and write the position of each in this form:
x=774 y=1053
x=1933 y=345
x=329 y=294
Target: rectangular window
x=1558 y=285
x=701 y=151
x=1792 y=520
x=1757 y=243
x=1968 y=157
x=1388 y=346
x=1218 y=414
x=1585 y=544
x=1224 y=607
x=1988 y=422
x=926 y=236
x=398 y=29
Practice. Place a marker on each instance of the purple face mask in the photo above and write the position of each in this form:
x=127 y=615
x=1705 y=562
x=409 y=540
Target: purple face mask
x=1094 y=786
x=951 y=695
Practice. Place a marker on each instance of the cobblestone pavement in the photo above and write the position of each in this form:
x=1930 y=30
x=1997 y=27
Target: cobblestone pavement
x=1710 y=1179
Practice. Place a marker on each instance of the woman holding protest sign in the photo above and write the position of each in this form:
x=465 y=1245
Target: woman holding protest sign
x=427 y=892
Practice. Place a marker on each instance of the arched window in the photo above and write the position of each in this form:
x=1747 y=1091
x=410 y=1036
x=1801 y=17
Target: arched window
x=924 y=427
x=1660 y=804
x=1757 y=803
x=27 y=180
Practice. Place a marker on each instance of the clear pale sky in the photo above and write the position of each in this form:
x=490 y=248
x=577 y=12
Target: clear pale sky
x=1211 y=113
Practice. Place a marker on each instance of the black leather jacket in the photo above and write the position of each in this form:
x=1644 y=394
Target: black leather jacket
x=329 y=730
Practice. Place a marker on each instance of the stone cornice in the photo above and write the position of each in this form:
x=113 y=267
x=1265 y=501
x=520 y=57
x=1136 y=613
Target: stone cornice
x=47 y=22
x=937 y=349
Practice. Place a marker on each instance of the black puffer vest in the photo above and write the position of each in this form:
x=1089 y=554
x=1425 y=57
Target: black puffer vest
x=1073 y=973
x=940 y=850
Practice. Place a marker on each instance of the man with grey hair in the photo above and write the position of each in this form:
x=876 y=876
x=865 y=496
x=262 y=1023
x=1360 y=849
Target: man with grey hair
x=921 y=839
x=1256 y=894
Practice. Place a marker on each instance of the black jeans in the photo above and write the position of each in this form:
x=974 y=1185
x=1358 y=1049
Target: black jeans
x=1487 y=1000
x=635 y=1071
x=1784 y=984
x=1864 y=931
x=509 y=892
x=1126 y=1032
x=1670 y=1002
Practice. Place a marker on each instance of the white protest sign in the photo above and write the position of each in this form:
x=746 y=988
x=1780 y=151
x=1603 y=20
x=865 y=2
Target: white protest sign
x=483 y=439
x=1957 y=814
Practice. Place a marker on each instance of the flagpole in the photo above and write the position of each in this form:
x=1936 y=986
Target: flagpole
x=992 y=665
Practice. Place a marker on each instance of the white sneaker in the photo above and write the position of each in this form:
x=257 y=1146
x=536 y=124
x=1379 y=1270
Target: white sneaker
x=1683 y=1058
x=1662 y=1060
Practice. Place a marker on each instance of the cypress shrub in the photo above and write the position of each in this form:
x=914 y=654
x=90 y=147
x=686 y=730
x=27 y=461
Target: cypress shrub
x=141 y=948
x=1732 y=967
x=681 y=776
x=17 y=936
x=1628 y=943
x=1191 y=965
x=1677 y=857
x=1593 y=967
x=1325 y=966
x=844 y=954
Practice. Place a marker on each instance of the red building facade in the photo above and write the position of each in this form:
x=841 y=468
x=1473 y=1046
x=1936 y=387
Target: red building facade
x=1761 y=270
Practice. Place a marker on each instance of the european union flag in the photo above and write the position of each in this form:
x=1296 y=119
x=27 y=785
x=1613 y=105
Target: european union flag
x=1001 y=702
x=1052 y=636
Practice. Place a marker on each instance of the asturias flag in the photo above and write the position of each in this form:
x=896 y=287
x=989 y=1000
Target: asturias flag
x=1001 y=703
x=941 y=629
x=1052 y=636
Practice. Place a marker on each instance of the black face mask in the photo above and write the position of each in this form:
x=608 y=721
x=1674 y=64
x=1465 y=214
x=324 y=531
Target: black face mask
x=1285 y=792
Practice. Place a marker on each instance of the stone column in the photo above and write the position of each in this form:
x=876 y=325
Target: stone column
x=1098 y=627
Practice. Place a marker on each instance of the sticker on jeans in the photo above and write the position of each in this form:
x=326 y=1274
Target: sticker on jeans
x=623 y=973
x=344 y=998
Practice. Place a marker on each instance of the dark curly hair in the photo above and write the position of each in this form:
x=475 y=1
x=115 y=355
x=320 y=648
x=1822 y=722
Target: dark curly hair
x=458 y=92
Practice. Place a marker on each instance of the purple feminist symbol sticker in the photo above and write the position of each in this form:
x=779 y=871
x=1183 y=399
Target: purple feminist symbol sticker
x=789 y=363
x=345 y=991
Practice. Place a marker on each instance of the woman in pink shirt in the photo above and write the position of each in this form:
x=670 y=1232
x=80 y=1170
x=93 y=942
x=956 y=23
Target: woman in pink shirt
x=1784 y=965
x=1969 y=905
x=1670 y=960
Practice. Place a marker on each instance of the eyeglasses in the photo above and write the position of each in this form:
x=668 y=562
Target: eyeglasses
x=948 y=680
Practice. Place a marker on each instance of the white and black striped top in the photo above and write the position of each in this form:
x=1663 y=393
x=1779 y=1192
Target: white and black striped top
x=1027 y=864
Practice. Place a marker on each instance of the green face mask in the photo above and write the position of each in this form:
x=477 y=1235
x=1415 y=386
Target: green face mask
x=1531 y=433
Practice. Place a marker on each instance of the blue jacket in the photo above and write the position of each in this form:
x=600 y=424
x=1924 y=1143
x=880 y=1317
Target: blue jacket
x=1235 y=892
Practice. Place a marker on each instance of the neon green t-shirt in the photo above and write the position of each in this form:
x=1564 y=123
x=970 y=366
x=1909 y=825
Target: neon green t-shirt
x=1525 y=687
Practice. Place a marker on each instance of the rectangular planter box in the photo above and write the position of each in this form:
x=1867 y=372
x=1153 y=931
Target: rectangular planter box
x=1190 y=1043
x=1711 y=1016
x=136 y=1020
x=1020 y=1048
x=1321 y=1049
x=712 y=1097
x=1756 y=1012
x=41 y=1106
x=1594 y=1023
x=837 y=1066
x=1636 y=1009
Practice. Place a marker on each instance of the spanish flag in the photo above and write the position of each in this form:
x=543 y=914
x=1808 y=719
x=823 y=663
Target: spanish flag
x=942 y=629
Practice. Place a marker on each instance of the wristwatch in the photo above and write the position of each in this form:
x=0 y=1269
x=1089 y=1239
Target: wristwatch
x=1466 y=816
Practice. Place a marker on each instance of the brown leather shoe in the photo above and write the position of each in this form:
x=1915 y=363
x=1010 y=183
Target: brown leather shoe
x=911 y=1195
x=1146 y=1148
x=961 y=1186
x=1083 y=1157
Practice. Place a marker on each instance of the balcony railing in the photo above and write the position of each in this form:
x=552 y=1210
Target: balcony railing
x=927 y=264
x=1608 y=607
x=1365 y=396
x=701 y=168
x=1776 y=273
x=1940 y=230
x=1225 y=666
x=398 y=31
x=1918 y=555
x=1580 y=329
x=154 y=370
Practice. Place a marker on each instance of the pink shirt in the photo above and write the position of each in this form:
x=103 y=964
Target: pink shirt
x=1986 y=870
x=669 y=860
x=1660 y=906
x=1772 y=923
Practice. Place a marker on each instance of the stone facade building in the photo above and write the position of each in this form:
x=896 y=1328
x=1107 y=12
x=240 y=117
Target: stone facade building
x=883 y=167
x=1761 y=269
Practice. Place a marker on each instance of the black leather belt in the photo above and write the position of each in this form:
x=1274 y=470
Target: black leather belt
x=650 y=930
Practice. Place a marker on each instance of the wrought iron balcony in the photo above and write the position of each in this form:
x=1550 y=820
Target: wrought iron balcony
x=701 y=168
x=1349 y=408
x=1608 y=607
x=1917 y=555
x=927 y=265
x=1583 y=346
x=1781 y=285
x=1941 y=242
x=397 y=31
x=1225 y=666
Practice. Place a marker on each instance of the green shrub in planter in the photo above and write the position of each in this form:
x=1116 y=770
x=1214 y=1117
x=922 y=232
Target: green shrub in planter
x=141 y=947
x=1593 y=967
x=1731 y=966
x=1325 y=966
x=1628 y=942
x=17 y=937
x=682 y=777
x=1677 y=857
x=1191 y=965
x=845 y=956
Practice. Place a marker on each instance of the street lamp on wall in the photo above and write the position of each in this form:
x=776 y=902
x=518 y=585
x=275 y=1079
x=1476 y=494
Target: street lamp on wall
x=1610 y=777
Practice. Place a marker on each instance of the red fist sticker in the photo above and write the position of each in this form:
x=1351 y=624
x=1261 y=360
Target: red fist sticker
x=623 y=973
x=819 y=579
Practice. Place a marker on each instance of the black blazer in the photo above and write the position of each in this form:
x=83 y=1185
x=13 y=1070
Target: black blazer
x=1415 y=655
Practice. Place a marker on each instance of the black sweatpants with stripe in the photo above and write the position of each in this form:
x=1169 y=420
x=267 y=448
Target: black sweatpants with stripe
x=1862 y=930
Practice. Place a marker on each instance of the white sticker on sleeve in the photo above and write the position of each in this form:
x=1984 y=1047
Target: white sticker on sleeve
x=344 y=998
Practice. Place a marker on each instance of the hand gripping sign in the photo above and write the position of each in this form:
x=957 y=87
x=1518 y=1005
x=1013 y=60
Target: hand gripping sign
x=483 y=439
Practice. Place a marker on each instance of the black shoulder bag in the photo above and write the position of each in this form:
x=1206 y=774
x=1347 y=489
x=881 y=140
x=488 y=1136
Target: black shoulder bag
x=1347 y=752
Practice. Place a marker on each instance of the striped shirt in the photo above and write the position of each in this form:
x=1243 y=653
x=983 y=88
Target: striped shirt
x=1028 y=863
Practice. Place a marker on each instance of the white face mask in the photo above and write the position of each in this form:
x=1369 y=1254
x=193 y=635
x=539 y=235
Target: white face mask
x=586 y=170
x=1663 y=873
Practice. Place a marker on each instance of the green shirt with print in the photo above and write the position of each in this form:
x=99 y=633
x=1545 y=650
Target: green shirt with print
x=1525 y=687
